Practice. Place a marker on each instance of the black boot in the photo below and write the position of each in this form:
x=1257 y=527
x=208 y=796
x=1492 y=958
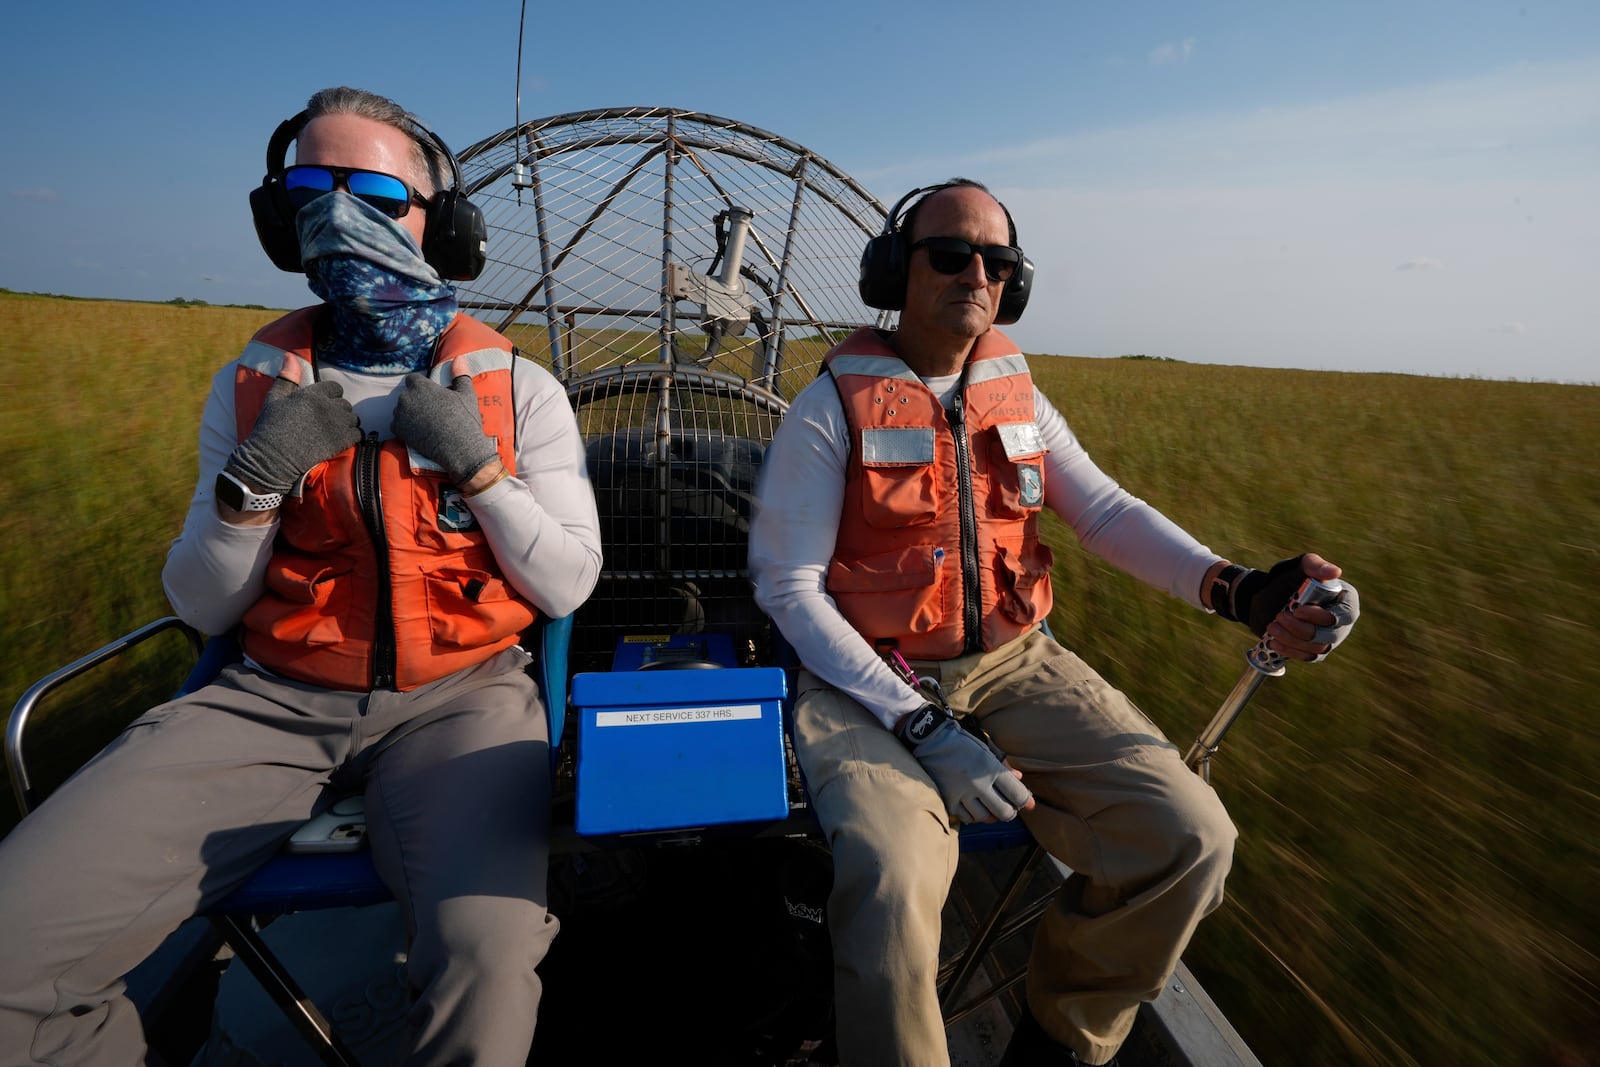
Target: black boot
x=1030 y=1046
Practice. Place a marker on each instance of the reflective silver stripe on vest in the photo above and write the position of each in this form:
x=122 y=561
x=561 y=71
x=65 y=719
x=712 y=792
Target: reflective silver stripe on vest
x=1021 y=439
x=985 y=370
x=267 y=359
x=478 y=362
x=872 y=367
x=897 y=446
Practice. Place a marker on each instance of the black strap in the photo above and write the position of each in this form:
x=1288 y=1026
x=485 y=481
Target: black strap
x=1222 y=587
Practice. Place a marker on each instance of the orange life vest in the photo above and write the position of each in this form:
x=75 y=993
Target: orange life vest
x=938 y=544
x=379 y=576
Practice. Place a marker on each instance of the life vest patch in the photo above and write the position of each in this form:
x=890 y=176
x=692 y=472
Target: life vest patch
x=419 y=462
x=454 y=515
x=1021 y=439
x=910 y=446
x=1030 y=485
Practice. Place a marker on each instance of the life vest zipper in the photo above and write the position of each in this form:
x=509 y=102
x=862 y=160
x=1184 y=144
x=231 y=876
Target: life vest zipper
x=369 y=497
x=971 y=594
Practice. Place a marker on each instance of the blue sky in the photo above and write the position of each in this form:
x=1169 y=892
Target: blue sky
x=1362 y=186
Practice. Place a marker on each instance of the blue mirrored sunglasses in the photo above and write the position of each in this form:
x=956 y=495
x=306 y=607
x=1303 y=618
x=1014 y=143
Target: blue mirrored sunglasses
x=951 y=255
x=304 y=182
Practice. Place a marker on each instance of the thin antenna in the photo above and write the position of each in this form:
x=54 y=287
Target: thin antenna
x=519 y=169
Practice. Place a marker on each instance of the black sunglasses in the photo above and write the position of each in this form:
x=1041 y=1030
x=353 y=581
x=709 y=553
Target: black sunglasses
x=304 y=182
x=951 y=255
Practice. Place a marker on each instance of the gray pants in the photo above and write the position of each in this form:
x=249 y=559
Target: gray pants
x=1149 y=840
x=198 y=793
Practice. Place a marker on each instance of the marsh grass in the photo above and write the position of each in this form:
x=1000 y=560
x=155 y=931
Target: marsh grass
x=1415 y=877
x=1415 y=880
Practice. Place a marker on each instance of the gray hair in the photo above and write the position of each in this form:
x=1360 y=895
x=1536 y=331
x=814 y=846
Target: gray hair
x=429 y=163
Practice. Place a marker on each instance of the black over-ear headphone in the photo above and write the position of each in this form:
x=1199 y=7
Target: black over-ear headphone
x=887 y=259
x=453 y=239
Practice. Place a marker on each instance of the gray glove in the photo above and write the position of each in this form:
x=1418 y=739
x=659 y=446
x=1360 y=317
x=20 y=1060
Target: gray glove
x=299 y=427
x=1258 y=596
x=444 y=425
x=1346 y=609
x=975 y=785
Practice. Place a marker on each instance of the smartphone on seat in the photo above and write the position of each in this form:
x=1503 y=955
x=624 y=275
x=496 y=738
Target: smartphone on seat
x=341 y=828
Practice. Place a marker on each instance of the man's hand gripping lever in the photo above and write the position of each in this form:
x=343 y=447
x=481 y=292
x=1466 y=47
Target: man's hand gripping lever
x=972 y=779
x=1338 y=598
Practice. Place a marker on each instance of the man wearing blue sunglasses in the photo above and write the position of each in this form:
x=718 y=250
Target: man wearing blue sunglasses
x=897 y=548
x=387 y=499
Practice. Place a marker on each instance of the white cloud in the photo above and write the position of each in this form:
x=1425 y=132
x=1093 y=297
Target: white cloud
x=1536 y=120
x=1172 y=52
x=1261 y=237
x=1285 y=277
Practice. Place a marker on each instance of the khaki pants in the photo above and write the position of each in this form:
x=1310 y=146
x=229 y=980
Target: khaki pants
x=1149 y=839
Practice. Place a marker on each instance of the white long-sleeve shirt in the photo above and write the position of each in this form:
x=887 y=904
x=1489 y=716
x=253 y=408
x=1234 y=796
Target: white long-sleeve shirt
x=797 y=520
x=541 y=525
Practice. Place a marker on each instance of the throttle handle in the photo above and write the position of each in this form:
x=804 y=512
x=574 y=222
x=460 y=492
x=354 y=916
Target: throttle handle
x=1311 y=591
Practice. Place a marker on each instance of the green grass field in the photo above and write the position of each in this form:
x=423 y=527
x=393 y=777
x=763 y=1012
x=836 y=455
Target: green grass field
x=1417 y=867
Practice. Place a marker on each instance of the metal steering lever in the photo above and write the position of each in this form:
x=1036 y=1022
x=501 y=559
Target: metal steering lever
x=1262 y=663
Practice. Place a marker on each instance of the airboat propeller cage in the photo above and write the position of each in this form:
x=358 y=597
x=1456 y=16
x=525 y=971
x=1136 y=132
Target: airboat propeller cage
x=682 y=275
x=607 y=230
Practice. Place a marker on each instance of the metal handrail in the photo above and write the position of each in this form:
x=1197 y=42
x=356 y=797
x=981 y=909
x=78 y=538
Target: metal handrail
x=21 y=786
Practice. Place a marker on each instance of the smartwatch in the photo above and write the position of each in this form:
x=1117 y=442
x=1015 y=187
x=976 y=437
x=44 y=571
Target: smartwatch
x=236 y=495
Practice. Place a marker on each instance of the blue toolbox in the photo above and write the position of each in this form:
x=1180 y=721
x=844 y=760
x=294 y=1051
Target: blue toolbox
x=669 y=749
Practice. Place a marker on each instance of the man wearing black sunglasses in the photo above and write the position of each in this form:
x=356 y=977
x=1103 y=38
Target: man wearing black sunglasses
x=897 y=548
x=387 y=499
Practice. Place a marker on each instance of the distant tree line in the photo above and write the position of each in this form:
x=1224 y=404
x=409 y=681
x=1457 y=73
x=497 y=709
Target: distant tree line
x=177 y=301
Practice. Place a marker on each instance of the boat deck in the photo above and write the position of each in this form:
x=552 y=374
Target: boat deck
x=721 y=981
